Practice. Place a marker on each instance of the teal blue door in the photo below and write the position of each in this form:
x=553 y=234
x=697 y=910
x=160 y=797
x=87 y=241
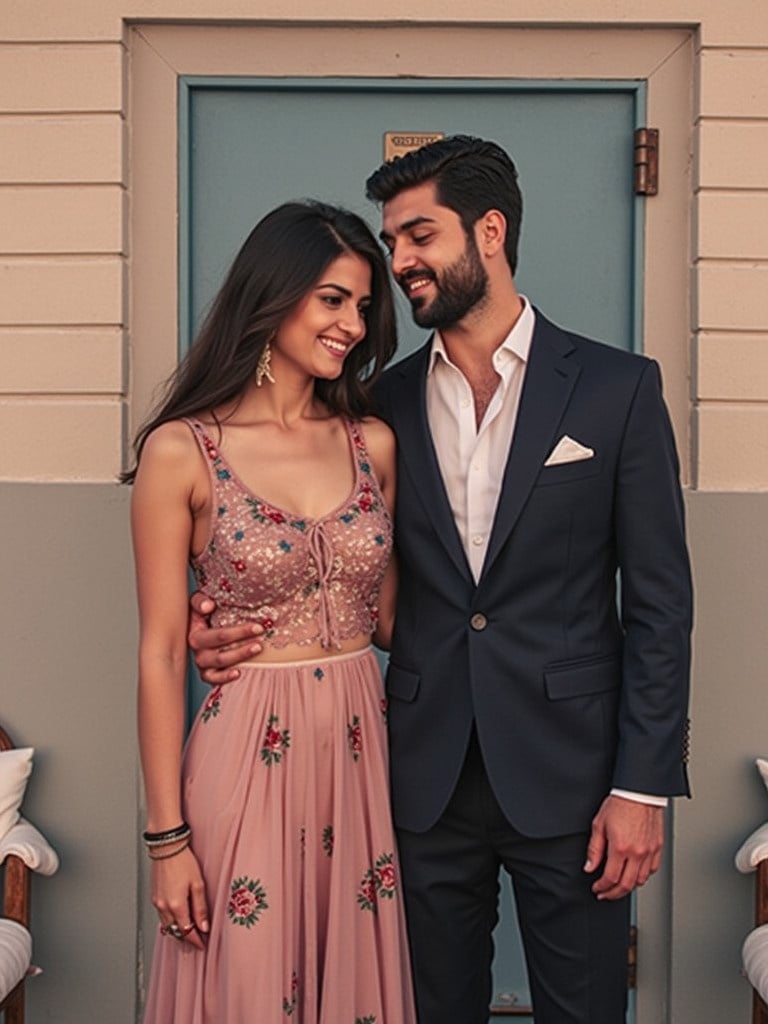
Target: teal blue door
x=248 y=144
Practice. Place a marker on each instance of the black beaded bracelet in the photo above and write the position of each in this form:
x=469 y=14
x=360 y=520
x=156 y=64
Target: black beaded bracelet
x=169 y=834
x=154 y=855
x=156 y=844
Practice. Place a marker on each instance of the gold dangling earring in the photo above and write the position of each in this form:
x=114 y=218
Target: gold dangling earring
x=263 y=367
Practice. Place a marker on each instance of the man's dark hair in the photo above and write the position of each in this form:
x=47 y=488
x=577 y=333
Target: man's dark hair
x=471 y=176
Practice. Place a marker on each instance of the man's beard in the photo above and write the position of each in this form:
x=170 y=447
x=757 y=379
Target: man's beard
x=460 y=288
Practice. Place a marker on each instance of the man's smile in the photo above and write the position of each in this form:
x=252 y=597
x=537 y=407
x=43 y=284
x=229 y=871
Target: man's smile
x=415 y=281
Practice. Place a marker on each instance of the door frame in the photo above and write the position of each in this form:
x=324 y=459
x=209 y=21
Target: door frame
x=162 y=54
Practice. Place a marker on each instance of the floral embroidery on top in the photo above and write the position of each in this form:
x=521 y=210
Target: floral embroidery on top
x=212 y=705
x=304 y=580
x=379 y=882
x=266 y=618
x=318 y=673
x=276 y=742
x=264 y=513
x=247 y=901
x=355 y=737
x=365 y=501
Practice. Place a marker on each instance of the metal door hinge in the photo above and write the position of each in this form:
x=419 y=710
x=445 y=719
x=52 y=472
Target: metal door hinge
x=646 y=161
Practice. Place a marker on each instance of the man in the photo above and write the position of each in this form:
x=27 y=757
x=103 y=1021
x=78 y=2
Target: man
x=533 y=724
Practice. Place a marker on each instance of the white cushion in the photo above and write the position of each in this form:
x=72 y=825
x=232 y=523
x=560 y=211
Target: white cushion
x=753 y=850
x=755 y=847
x=15 y=766
x=31 y=846
x=15 y=954
x=754 y=955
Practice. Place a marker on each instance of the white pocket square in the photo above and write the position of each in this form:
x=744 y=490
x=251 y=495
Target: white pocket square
x=568 y=450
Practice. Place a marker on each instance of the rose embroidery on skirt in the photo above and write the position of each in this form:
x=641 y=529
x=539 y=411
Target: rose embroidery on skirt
x=276 y=742
x=328 y=839
x=247 y=901
x=212 y=705
x=366 y=895
x=289 y=1005
x=379 y=882
x=355 y=737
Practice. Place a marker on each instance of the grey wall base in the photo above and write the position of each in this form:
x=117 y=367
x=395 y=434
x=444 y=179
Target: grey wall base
x=68 y=689
x=713 y=904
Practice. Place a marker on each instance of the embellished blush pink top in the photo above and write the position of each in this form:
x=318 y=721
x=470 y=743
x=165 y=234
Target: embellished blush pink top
x=302 y=579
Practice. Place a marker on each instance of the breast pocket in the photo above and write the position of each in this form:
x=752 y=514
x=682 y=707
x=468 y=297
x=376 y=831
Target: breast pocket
x=569 y=472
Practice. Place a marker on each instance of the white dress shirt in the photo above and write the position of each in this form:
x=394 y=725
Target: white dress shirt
x=472 y=459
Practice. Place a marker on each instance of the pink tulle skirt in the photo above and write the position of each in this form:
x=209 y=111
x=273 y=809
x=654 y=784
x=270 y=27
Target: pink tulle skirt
x=285 y=783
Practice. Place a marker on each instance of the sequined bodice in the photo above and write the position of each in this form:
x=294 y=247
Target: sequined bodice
x=303 y=580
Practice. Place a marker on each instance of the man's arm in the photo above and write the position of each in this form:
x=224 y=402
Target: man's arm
x=656 y=606
x=656 y=601
x=218 y=651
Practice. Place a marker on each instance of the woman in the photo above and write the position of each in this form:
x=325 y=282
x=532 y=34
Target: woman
x=274 y=868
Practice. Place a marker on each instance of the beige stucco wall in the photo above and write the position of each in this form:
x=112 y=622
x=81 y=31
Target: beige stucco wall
x=65 y=189
x=87 y=327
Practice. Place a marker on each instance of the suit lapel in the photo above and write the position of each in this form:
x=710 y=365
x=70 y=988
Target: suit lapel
x=550 y=376
x=417 y=452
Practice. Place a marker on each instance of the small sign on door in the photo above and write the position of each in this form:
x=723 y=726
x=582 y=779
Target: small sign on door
x=400 y=143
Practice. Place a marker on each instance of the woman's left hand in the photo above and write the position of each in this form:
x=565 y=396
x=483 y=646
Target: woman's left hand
x=178 y=894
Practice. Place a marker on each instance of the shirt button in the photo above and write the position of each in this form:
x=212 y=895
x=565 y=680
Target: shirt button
x=478 y=622
x=465 y=403
x=478 y=539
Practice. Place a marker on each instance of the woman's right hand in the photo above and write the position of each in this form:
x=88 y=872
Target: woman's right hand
x=216 y=651
x=178 y=895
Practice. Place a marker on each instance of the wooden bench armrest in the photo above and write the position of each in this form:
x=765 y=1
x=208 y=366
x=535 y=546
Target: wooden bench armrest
x=759 y=1007
x=16 y=891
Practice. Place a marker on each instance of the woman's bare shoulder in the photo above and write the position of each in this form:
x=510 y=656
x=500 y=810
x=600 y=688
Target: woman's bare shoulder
x=378 y=435
x=170 y=444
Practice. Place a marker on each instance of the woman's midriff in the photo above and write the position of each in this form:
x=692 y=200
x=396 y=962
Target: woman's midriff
x=309 y=652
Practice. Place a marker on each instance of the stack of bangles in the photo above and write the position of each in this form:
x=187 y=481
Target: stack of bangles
x=177 y=838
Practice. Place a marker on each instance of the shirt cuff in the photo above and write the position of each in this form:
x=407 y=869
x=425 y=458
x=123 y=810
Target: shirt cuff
x=641 y=798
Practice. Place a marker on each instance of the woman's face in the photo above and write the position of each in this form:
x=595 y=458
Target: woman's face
x=320 y=332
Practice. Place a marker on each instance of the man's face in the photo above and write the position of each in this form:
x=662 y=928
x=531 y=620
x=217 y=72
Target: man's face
x=434 y=262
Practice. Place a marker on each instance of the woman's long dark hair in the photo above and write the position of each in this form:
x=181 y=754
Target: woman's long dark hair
x=278 y=264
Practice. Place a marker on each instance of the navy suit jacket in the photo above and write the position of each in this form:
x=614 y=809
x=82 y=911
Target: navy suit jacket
x=571 y=695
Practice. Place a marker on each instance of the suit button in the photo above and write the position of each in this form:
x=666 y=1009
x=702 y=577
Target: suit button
x=478 y=621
